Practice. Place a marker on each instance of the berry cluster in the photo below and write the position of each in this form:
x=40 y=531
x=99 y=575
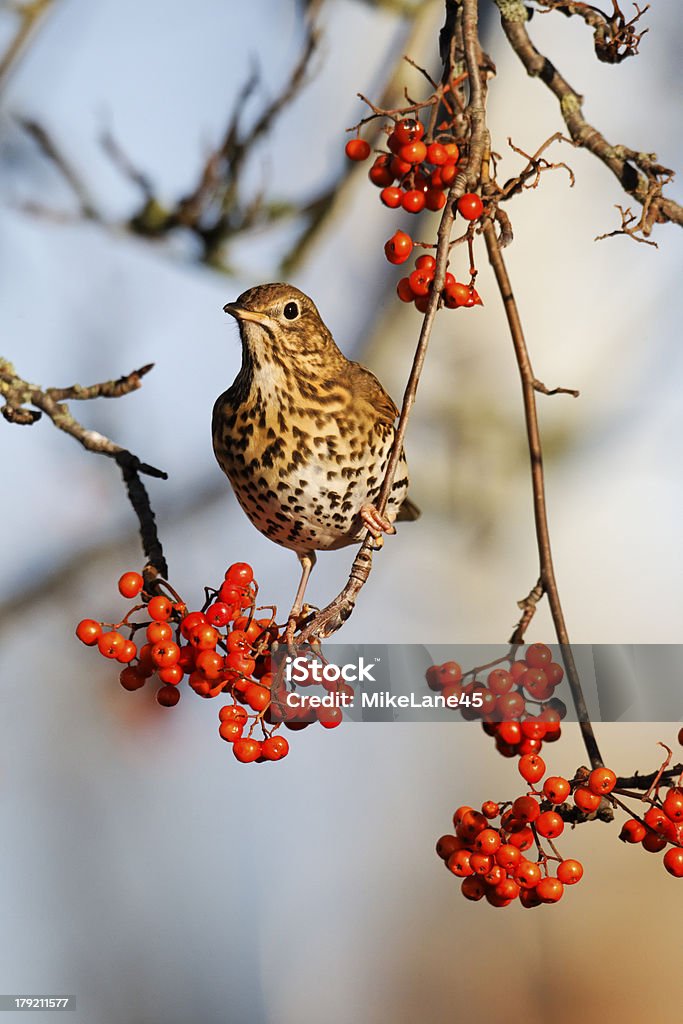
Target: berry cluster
x=414 y=176
x=661 y=825
x=222 y=650
x=516 y=704
x=490 y=860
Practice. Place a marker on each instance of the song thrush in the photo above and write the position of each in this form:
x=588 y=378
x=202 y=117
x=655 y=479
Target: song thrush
x=303 y=433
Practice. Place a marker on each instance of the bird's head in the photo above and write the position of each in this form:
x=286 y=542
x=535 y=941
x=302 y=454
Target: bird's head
x=278 y=323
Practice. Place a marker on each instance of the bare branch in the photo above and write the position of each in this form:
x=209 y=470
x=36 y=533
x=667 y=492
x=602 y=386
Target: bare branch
x=639 y=174
x=18 y=394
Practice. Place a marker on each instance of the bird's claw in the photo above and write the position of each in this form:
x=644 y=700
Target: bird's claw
x=376 y=524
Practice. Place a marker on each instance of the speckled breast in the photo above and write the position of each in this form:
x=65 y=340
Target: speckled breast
x=301 y=474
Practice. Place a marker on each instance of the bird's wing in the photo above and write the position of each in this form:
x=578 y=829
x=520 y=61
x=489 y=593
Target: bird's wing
x=363 y=385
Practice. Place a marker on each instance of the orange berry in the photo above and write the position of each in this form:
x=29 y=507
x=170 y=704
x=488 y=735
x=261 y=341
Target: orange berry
x=398 y=248
x=357 y=149
x=570 y=872
x=160 y=608
x=602 y=781
x=168 y=696
x=130 y=584
x=111 y=644
x=88 y=632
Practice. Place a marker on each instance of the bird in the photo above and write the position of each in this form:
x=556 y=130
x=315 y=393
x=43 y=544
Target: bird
x=304 y=434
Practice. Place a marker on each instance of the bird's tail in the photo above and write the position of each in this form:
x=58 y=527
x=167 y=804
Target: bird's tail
x=408 y=512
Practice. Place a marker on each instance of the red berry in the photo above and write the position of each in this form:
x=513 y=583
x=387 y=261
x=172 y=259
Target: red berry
x=508 y=856
x=190 y=621
x=111 y=644
x=527 y=874
x=490 y=809
x=399 y=168
x=380 y=174
x=499 y=681
x=130 y=584
x=427 y=263
x=357 y=149
x=421 y=282
x=550 y=889
x=459 y=863
x=413 y=201
x=203 y=637
x=436 y=154
x=88 y=632
x=673 y=862
x=408 y=130
x=510 y=732
x=473 y=888
x=525 y=809
x=550 y=824
x=209 y=664
x=452 y=153
x=156 y=632
x=404 y=291
x=470 y=206
x=533 y=728
x=127 y=652
x=586 y=800
x=160 y=608
x=165 y=654
x=275 y=748
x=458 y=294
x=233 y=713
x=554 y=673
x=172 y=675
x=399 y=247
x=246 y=750
x=329 y=718
x=531 y=767
x=257 y=697
x=449 y=173
x=230 y=731
x=131 y=679
x=413 y=152
x=487 y=841
x=673 y=804
x=602 y=781
x=434 y=199
x=632 y=831
x=391 y=197
x=168 y=696
x=521 y=838
x=219 y=614
x=509 y=706
x=447 y=845
x=570 y=872
x=556 y=789
x=240 y=574
x=652 y=842
x=538 y=656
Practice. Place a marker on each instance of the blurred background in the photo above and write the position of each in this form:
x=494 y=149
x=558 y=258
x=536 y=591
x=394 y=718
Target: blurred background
x=142 y=868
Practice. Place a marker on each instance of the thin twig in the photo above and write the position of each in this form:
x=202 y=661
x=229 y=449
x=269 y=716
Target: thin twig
x=19 y=394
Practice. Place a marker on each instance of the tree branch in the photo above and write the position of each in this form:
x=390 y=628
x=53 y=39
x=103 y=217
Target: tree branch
x=639 y=174
x=18 y=394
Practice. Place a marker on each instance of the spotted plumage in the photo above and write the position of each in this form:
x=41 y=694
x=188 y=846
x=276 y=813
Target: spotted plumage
x=304 y=434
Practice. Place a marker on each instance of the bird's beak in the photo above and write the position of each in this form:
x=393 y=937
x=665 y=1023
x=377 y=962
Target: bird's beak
x=240 y=313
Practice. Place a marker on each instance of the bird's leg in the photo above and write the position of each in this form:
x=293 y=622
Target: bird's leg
x=376 y=524
x=307 y=560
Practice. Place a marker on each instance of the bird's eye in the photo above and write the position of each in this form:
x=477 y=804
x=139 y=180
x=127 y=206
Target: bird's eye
x=291 y=311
